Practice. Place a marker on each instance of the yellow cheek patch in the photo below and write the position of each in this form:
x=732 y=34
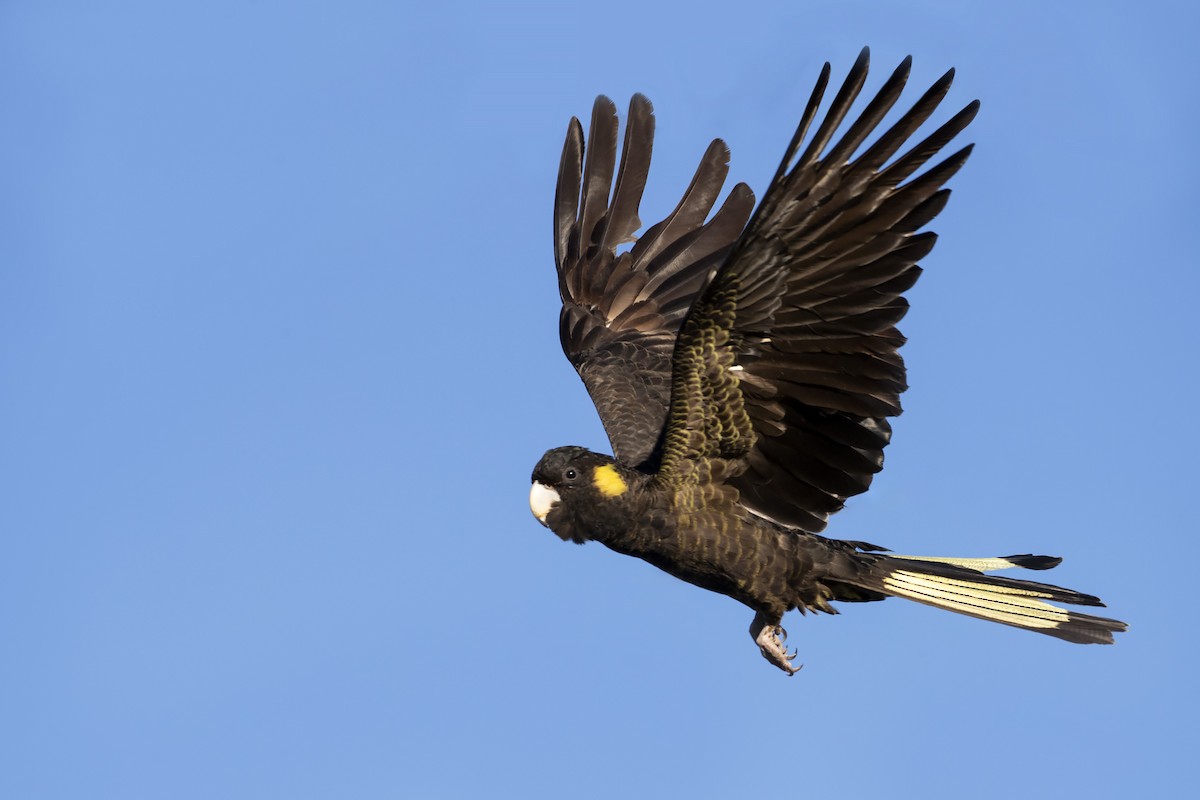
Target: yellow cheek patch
x=609 y=481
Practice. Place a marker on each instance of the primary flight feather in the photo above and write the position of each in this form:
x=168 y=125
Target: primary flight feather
x=744 y=363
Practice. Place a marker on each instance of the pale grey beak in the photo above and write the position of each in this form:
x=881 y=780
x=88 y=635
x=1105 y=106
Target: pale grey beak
x=541 y=499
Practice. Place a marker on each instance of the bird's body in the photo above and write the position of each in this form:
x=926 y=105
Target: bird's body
x=745 y=367
x=700 y=534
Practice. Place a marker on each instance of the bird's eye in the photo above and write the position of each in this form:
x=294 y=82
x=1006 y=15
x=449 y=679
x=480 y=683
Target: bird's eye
x=570 y=474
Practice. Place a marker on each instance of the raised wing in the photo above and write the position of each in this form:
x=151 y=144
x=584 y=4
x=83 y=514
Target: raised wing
x=622 y=311
x=788 y=368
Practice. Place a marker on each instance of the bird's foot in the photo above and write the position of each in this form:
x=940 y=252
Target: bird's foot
x=770 y=638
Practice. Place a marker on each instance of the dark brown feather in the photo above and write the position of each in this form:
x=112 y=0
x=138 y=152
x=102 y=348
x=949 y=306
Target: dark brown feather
x=622 y=312
x=804 y=343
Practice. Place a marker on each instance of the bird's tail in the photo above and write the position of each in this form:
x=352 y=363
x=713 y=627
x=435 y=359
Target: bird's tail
x=960 y=585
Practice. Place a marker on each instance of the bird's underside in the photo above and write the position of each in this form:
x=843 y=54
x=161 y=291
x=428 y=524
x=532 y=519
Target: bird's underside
x=745 y=363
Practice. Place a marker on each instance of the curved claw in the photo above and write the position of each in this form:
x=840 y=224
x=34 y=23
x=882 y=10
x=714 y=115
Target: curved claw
x=769 y=638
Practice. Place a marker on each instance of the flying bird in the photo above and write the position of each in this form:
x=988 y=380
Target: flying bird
x=745 y=363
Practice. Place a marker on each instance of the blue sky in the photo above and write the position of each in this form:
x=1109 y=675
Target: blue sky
x=278 y=347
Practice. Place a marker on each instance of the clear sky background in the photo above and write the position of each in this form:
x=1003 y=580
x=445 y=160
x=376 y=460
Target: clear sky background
x=278 y=351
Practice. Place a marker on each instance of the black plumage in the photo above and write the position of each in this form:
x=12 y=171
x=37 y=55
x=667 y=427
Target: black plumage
x=745 y=363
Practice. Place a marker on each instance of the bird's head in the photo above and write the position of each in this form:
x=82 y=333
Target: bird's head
x=574 y=493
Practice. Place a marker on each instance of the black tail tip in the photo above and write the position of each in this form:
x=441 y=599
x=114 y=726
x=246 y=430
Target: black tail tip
x=1030 y=561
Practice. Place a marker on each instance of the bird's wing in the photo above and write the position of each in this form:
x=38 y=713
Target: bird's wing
x=622 y=308
x=788 y=367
